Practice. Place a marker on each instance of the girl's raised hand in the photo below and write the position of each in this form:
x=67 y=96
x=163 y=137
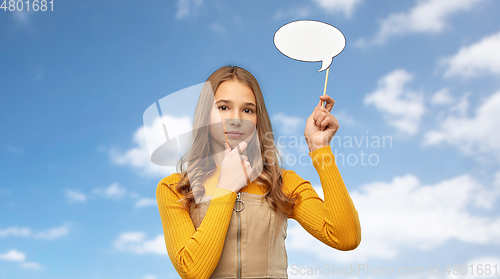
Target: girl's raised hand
x=235 y=168
x=321 y=126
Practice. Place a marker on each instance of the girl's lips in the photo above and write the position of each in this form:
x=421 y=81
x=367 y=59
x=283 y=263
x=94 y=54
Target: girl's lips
x=234 y=134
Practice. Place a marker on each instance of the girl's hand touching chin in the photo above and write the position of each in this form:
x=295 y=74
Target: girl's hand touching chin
x=321 y=126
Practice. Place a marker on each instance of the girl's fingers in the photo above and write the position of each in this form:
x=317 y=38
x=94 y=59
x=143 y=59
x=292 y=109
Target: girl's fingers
x=316 y=109
x=242 y=146
x=250 y=173
x=320 y=109
x=321 y=118
x=329 y=102
x=324 y=124
x=247 y=169
x=317 y=121
x=227 y=149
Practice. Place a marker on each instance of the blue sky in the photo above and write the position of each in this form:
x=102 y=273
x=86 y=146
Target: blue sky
x=77 y=190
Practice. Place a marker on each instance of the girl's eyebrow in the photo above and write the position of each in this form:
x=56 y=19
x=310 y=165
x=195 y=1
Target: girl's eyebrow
x=229 y=101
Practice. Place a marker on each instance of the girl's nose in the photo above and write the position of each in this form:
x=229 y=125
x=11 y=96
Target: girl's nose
x=235 y=122
x=235 y=118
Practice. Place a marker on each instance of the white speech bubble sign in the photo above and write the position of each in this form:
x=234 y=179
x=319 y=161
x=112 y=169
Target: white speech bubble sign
x=310 y=41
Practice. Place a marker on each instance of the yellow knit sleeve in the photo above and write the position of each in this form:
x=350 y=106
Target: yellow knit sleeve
x=194 y=253
x=333 y=221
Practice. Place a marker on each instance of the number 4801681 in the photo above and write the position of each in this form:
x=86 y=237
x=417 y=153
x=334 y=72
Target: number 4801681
x=35 y=5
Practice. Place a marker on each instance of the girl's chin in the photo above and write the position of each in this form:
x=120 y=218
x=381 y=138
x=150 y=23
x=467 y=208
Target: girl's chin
x=233 y=142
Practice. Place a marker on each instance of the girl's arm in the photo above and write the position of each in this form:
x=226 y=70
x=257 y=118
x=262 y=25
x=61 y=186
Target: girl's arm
x=194 y=253
x=334 y=221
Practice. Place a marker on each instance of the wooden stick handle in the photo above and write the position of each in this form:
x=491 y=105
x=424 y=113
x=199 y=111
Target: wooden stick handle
x=326 y=82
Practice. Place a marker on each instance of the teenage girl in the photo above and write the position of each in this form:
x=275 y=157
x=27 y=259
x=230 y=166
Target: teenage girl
x=225 y=212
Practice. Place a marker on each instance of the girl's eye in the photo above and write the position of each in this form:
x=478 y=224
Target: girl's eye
x=246 y=110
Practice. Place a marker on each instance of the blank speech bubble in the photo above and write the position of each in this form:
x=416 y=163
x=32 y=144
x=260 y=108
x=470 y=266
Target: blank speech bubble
x=310 y=41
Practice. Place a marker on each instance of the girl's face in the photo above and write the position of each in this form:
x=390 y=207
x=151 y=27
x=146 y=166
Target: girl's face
x=233 y=117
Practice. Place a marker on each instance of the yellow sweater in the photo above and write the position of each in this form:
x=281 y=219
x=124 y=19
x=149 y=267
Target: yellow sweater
x=195 y=252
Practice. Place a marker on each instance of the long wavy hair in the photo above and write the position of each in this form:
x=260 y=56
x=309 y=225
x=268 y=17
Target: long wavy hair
x=200 y=163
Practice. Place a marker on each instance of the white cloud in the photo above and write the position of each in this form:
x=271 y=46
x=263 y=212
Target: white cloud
x=138 y=157
x=22 y=18
x=343 y=117
x=294 y=12
x=218 y=28
x=16 y=256
x=476 y=59
x=114 y=191
x=477 y=135
x=15 y=231
x=51 y=233
x=289 y=137
x=426 y=17
x=75 y=196
x=186 y=8
x=136 y=242
x=442 y=97
x=13 y=255
x=287 y=124
x=406 y=214
x=346 y=7
x=144 y=202
x=461 y=106
x=149 y=277
x=31 y=265
x=497 y=179
x=401 y=107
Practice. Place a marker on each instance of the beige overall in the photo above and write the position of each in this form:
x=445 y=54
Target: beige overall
x=255 y=241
